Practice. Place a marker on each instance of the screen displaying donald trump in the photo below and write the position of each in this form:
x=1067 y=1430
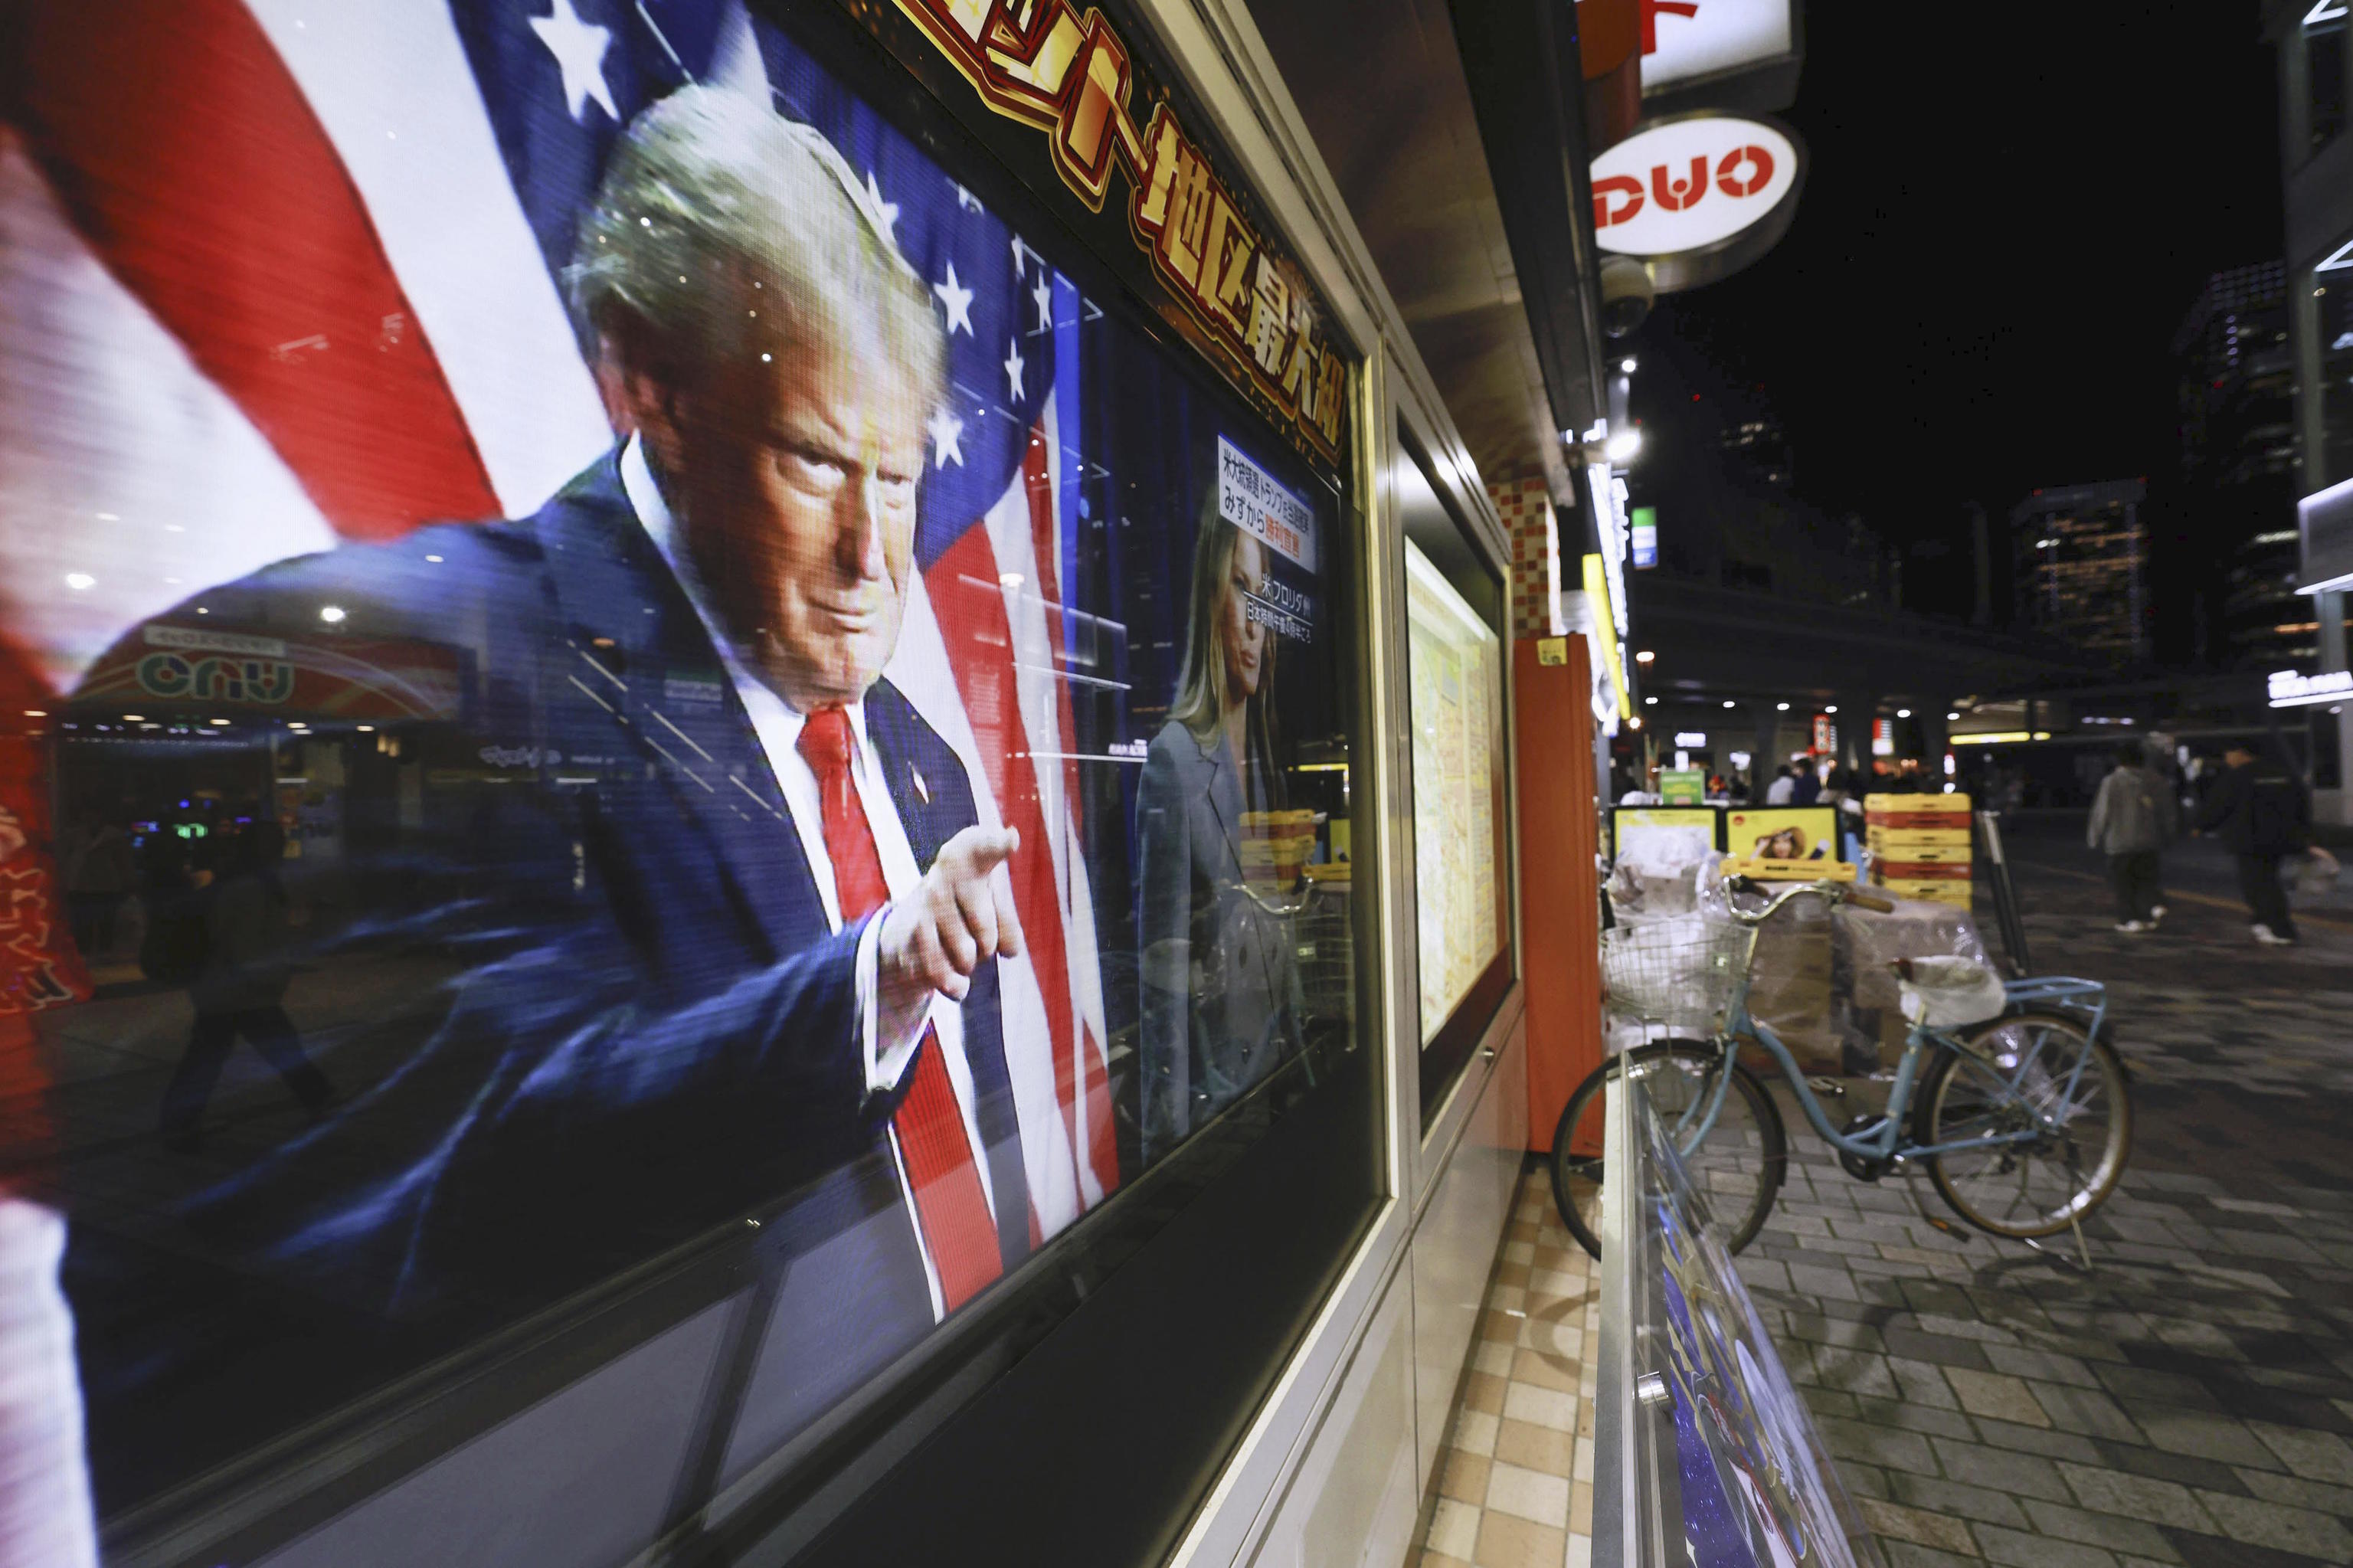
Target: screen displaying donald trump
x=618 y=671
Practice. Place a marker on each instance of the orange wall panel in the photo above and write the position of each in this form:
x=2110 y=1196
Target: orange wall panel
x=1559 y=899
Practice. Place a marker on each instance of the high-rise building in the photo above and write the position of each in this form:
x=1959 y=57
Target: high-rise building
x=2236 y=502
x=1758 y=451
x=2082 y=567
x=2315 y=64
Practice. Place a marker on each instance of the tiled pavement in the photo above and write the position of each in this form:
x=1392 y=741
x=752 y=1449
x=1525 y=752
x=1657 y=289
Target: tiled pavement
x=2189 y=1401
x=1513 y=1487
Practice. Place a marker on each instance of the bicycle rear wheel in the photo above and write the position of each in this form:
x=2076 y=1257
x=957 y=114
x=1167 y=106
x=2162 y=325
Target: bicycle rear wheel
x=2039 y=1187
x=1737 y=1166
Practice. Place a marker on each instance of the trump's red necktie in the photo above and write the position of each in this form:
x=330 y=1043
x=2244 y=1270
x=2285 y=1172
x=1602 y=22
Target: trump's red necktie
x=950 y=1207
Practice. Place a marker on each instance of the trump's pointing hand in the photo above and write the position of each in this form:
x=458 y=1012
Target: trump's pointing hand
x=960 y=917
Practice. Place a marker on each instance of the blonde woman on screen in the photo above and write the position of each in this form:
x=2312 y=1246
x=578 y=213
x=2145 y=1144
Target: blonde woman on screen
x=1222 y=998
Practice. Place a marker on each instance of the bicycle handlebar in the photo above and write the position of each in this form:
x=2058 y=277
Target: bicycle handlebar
x=1835 y=891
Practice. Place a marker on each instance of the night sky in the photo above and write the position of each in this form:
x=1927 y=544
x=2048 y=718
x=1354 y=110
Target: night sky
x=1999 y=235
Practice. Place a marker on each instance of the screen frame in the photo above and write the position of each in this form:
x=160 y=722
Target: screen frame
x=1451 y=547
x=848 y=1467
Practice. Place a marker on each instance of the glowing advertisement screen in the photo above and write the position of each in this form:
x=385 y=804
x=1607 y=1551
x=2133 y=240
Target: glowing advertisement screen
x=1457 y=708
x=648 y=748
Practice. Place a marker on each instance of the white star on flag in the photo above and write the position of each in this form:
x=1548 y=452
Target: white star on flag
x=579 y=49
x=1044 y=294
x=967 y=200
x=958 y=300
x=947 y=437
x=1013 y=364
x=888 y=211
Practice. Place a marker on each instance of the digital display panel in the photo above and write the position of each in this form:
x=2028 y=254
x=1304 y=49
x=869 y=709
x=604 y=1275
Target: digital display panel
x=644 y=734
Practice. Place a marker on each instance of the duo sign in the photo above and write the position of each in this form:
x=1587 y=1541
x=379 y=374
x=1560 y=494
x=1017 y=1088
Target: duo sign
x=1697 y=197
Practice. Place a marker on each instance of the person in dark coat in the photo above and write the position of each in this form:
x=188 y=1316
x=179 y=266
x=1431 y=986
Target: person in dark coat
x=240 y=988
x=2260 y=812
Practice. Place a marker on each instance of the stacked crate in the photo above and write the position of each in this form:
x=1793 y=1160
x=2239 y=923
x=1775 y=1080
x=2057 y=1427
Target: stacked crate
x=1919 y=846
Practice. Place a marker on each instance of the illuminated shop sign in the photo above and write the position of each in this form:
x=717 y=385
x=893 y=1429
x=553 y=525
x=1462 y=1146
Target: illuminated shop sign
x=2293 y=689
x=1646 y=537
x=1697 y=197
x=1609 y=648
x=1686 y=38
x=2325 y=519
x=1046 y=66
x=1691 y=737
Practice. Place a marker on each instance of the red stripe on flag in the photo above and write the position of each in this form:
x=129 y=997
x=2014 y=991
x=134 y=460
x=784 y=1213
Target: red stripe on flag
x=1037 y=477
x=970 y=608
x=1102 y=1143
x=1091 y=1126
x=187 y=155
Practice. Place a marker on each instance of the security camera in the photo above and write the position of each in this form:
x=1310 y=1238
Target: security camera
x=1626 y=295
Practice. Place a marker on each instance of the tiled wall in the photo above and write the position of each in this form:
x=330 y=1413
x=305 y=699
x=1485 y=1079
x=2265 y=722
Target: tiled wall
x=1527 y=518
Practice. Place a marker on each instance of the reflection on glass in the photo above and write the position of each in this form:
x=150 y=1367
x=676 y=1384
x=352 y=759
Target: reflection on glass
x=1456 y=698
x=1744 y=1480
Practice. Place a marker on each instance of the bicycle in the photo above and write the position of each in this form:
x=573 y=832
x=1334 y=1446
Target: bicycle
x=2016 y=1099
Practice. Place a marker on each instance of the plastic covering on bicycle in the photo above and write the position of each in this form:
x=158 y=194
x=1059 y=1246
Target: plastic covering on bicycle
x=1818 y=976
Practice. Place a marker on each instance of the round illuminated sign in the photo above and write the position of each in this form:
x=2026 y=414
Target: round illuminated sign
x=1695 y=197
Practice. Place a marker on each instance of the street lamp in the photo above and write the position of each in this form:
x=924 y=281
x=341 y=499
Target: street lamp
x=1624 y=447
x=1644 y=657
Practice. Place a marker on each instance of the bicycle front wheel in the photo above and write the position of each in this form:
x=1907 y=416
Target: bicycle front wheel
x=2023 y=1072
x=1738 y=1166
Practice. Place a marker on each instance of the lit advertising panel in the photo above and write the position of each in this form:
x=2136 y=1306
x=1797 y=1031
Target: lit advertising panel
x=747 y=743
x=1697 y=197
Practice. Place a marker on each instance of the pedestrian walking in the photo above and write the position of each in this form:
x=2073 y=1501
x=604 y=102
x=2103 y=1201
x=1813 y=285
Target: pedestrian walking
x=99 y=873
x=2260 y=812
x=2132 y=819
x=239 y=982
x=1806 y=787
x=1783 y=788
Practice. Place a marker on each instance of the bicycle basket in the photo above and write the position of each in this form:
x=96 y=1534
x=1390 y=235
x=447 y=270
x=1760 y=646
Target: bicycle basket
x=1681 y=972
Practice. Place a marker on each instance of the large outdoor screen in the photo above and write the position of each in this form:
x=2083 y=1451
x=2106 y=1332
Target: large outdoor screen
x=645 y=739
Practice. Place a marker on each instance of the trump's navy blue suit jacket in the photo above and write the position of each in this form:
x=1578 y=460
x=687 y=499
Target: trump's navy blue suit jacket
x=653 y=1035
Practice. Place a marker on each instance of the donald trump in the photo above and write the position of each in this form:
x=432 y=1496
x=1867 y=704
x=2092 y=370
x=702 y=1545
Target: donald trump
x=728 y=952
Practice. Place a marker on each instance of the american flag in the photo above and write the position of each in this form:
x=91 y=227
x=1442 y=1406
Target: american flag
x=275 y=273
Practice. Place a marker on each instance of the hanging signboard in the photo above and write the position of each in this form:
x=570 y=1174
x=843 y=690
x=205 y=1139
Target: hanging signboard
x=1686 y=39
x=1233 y=289
x=1695 y=197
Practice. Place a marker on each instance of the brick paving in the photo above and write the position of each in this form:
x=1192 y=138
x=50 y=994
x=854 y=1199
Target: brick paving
x=2190 y=1400
x=2188 y=1403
